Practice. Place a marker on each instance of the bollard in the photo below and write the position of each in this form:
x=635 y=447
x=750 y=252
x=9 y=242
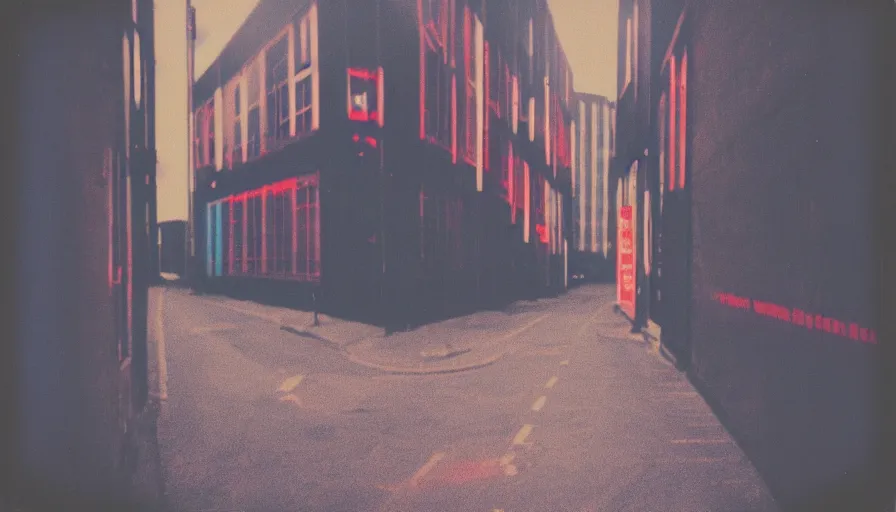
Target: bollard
x=315 y=321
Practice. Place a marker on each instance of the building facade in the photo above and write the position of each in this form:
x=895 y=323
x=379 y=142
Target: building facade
x=593 y=142
x=330 y=159
x=85 y=188
x=757 y=262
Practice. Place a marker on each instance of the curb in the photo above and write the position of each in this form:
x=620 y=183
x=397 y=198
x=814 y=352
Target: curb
x=423 y=371
x=395 y=370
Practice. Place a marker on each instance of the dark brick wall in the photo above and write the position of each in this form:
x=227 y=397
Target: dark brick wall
x=782 y=100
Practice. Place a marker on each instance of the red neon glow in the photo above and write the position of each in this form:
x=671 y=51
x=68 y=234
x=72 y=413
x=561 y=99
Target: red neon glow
x=682 y=79
x=542 y=231
x=798 y=317
x=672 y=121
x=422 y=72
x=364 y=74
x=454 y=119
x=370 y=141
x=625 y=250
x=356 y=138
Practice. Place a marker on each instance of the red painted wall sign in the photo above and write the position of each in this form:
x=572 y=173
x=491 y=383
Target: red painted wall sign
x=625 y=266
x=799 y=317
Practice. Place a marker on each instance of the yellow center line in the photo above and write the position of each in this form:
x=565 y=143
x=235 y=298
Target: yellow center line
x=551 y=382
x=431 y=463
x=539 y=403
x=564 y=362
x=290 y=384
x=521 y=436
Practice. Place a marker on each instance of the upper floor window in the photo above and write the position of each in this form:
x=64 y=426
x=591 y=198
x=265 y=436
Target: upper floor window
x=631 y=50
x=438 y=85
x=253 y=97
x=305 y=77
x=236 y=148
x=277 y=81
x=204 y=135
x=302 y=40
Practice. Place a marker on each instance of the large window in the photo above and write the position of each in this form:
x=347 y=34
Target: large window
x=273 y=231
x=279 y=229
x=308 y=230
x=277 y=83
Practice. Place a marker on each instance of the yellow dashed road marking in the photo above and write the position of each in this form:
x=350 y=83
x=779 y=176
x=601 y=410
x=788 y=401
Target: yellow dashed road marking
x=551 y=382
x=290 y=384
x=521 y=436
x=539 y=403
x=431 y=463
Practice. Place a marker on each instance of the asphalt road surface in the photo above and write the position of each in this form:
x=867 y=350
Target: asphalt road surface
x=579 y=417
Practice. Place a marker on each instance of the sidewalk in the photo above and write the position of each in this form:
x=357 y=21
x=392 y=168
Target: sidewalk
x=453 y=345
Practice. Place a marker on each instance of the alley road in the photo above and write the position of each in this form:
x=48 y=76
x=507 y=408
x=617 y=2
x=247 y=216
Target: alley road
x=579 y=417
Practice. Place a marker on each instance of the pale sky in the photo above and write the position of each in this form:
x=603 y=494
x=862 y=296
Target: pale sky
x=587 y=30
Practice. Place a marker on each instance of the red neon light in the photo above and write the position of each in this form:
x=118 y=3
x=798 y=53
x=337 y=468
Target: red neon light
x=422 y=72
x=542 y=231
x=357 y=115
x=682 y=79
x=364 y=74
x=799 y=317
x=356 y=138
x=370 y=141
x=672 y=122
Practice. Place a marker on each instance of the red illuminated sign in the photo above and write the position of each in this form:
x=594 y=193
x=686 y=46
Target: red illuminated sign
x=799 y=317
x=625 y=266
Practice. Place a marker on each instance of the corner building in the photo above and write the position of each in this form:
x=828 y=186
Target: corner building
x=402 y=159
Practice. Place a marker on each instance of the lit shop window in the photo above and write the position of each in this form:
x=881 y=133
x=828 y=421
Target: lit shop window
x=273 y=231
x=365 y=95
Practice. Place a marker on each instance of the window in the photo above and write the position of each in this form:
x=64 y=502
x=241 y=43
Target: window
x=277 y=80
x=237 y=223
x=253 y=95
x=304 y=106
x=204 y=135
x=305 y=76
x=437 y=81
x=278 y=229
x=302 y=40
x=254 y=233
x=236 y=150
x=307 y=231
x=364 y=93
x=469 y=146
x=198 y=124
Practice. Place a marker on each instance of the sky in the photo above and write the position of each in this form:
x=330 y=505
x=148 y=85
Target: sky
x=587 y=31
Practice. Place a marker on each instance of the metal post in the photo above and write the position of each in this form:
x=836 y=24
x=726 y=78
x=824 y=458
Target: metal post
x=315 y=321
x=190 y=264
